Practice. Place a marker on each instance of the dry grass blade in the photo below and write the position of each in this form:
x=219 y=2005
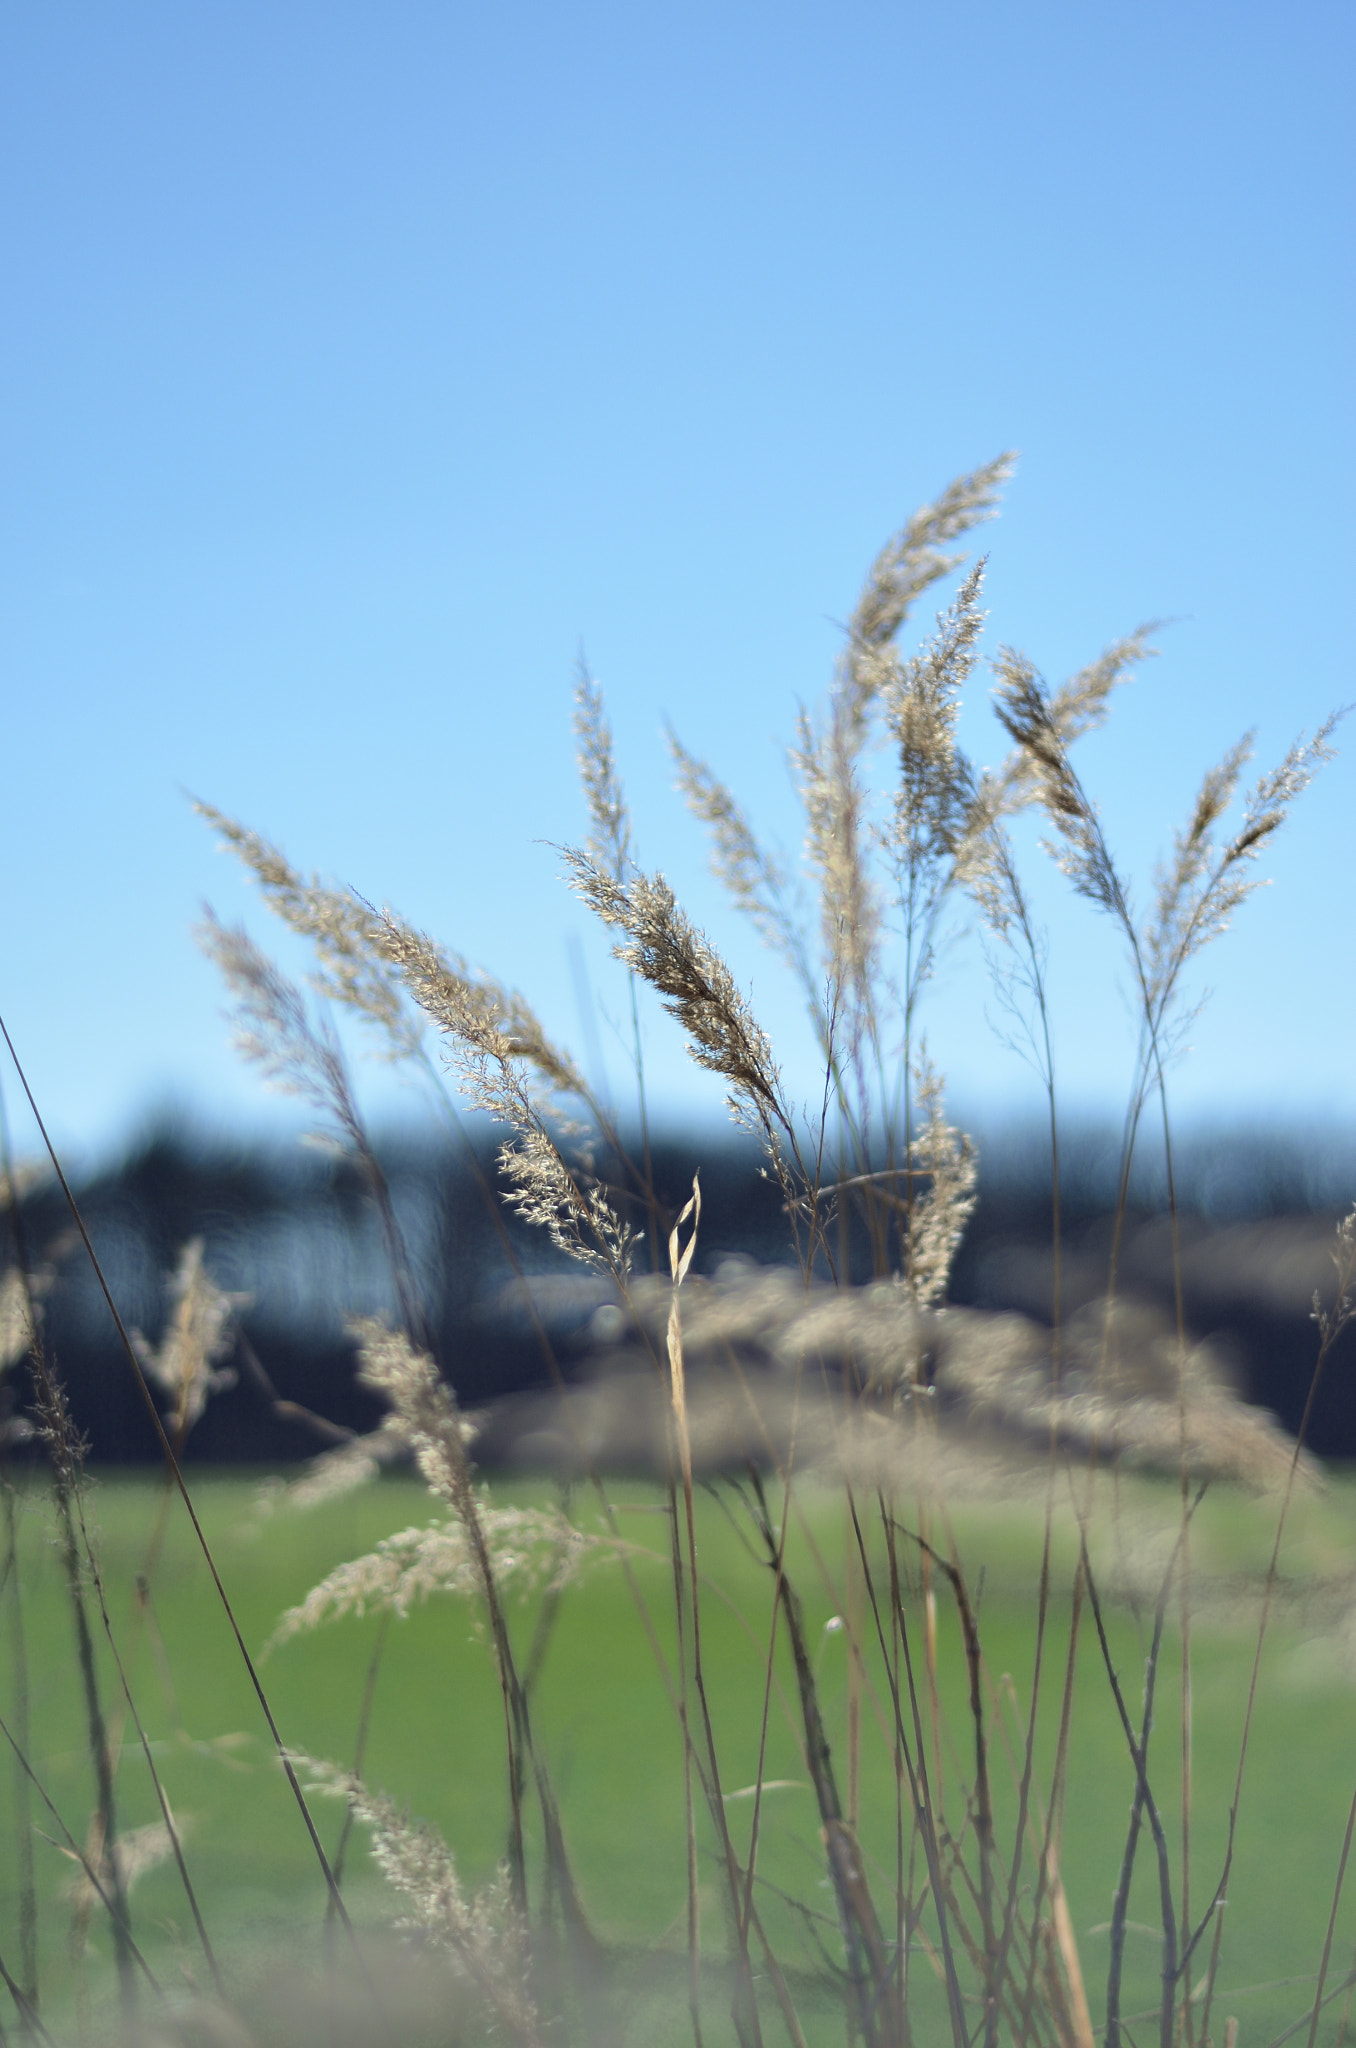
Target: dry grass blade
x=679 y=1263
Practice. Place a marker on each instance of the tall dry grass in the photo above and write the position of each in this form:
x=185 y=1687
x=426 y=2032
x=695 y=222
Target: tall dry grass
x=963 y=1930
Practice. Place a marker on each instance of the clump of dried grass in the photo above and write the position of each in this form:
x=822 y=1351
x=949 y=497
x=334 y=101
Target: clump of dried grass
x=885 y=1384
x=753 y=1377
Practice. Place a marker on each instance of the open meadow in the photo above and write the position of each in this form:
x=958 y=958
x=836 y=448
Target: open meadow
x=435 y=1740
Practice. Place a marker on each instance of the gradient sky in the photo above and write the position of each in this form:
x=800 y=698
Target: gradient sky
x=363 y=363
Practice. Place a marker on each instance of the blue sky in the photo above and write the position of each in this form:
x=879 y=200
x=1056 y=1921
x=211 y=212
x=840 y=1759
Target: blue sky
x=362 y=363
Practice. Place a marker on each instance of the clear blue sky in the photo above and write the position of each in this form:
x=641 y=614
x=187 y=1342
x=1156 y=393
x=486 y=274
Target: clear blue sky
x=362 y=362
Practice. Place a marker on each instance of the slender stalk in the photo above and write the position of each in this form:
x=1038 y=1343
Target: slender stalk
x=23 y=1809
x=25 y=2007
x=96 y=1579
x=95 y=1877
x=360 y=1747
x=168 y=1450
x=1331 y=1324
x=1143 y=1806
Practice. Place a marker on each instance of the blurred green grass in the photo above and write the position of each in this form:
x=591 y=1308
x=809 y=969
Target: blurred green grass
x=608 y=1730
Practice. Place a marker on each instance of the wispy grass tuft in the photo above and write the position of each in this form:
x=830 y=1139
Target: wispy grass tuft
x=930 y=1898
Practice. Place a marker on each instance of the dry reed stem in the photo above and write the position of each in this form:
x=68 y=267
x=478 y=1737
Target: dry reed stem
x=679 y=1262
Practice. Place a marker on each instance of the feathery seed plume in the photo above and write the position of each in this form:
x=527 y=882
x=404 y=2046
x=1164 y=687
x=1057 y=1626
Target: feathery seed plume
x=1201 y=889
x=940 y=1213
x=273 y=1028
x=529 y=1548
x=197 y=1336
x=390 y=1364
x=825 y=767
x=1024 y=709
x=609 y=841
x=510 y=1069
x=481 y=1934
x=21 y=1300
x=343 y=1469
x=755 y=881
x=352 y=970
x=663 y=945
x=907 y=565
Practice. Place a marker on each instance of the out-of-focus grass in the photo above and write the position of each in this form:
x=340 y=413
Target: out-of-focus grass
x=608 y=1729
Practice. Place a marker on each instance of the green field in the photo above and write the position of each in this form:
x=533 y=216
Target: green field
x=609 y=1733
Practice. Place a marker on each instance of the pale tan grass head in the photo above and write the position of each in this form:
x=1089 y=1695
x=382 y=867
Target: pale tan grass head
x=473 y=1011
x=274 y=1029
x=507 y=1067
x=837 y=835
x=609 y=840
x=479 y=1932
x=530 y=1549
x=666 y=949
x=826 y=762
x=22 y=1177
x=1024 y=709
x=1203 y=885
x=1077 y=707
x=342 y=1470
x=756 y=883
x=922 y=701
x=352 y=970
x=908 y=564
x=136 y=1852
x=390 y=1365
x=197 y=1337
x=945 y=1158
x=21 y=1299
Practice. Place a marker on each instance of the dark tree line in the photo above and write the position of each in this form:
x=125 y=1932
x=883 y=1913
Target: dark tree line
x=298 y=1236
